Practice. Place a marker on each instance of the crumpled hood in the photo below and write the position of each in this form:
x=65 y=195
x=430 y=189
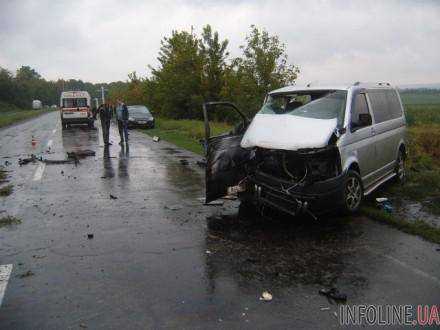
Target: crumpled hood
x=288 y=132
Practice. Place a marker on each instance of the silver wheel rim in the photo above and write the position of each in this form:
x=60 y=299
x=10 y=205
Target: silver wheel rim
x=353 y=193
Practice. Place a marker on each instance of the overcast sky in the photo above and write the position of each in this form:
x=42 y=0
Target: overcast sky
x=330 y=41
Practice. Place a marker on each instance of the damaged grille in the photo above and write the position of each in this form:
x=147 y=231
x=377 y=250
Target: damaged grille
x=304 y=166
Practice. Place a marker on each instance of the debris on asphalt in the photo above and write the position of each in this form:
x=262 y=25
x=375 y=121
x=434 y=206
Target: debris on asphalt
x=156 y=138
x=26 y=274
x=212 y=203
x=208 y=252
x=90 y=236
x=184 y=162
x=24 y=161
x=173 y=207
x=113 y=197
x=62 y=172
x=201 y=163
x=230 y=197
x=7 y=163
x=266 y=296
x=334 y=294
x=325 y=308
x=384 y=204
x=81 y=153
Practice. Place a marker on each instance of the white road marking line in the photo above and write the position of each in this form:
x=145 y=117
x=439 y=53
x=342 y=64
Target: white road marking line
x=39 y=172
x=5 y=272
x=415 y=270
x=49 y=143
x=100 y=138
x=405 y=265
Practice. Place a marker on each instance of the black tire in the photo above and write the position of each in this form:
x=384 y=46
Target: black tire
x=353 y=193
x=400 y=168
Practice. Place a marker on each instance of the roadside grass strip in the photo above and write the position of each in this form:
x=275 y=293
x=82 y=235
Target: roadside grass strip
x=418 y=227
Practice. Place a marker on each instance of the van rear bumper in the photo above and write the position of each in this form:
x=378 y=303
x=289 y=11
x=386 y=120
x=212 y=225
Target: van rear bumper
x=86 y=120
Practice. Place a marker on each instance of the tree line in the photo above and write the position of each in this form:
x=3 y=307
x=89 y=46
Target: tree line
x=192 y=69
x=26 y=85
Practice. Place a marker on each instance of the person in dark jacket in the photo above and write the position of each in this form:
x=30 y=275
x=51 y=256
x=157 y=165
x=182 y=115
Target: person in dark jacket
x=105 y=114
x=122 y=117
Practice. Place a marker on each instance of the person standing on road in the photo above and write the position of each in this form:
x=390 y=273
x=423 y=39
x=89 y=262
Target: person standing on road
x=105 y=114
x=122 y=117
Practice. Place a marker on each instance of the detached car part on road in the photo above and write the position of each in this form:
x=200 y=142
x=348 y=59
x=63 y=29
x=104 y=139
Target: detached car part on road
x=140 y=116
x=75 y=108
x=310 y=149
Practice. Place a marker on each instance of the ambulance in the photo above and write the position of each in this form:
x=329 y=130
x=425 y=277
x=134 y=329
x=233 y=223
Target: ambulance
x=75 y=108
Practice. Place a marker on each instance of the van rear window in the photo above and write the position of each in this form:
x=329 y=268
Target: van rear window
x=385 y=105
x=74 y=102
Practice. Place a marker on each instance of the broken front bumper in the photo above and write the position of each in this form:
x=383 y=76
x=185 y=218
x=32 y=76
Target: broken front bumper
x=317 y=197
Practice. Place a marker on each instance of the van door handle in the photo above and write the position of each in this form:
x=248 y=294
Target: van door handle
x=373 y=131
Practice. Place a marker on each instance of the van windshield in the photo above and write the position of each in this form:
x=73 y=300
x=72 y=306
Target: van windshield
x=318 y=105
x=74 y=102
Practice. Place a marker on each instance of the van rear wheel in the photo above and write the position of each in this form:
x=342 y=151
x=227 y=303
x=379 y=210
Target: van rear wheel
x=400 y=168
x=353 y=193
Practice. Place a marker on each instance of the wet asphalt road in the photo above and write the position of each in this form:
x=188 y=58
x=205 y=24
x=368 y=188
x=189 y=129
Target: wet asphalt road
x=160 y=259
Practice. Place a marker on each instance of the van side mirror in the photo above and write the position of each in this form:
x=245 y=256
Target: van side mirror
x=365 y=119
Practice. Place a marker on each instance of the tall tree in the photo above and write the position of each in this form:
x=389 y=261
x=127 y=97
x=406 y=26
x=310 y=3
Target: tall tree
x=263 y=67
x=214 y=54
x=179 y=76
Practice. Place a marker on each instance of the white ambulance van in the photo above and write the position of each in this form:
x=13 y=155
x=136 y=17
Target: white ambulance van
x=75 y=108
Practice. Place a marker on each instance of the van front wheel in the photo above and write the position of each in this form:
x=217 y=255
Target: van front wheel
x=353 y=192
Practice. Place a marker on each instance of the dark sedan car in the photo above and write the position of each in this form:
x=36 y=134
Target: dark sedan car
x=140 y=116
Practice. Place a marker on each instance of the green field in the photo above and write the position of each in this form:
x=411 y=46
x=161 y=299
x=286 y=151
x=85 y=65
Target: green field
x=10 y=114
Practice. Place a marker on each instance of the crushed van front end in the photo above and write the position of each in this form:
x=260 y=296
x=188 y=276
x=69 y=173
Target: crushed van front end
x=304 y=181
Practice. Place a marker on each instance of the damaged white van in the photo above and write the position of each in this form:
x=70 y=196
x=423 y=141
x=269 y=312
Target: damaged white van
x=310 y=149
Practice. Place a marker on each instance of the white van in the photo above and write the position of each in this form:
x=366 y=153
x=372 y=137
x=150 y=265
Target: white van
x=37 y=104
x=310 y=149
x=75 y=108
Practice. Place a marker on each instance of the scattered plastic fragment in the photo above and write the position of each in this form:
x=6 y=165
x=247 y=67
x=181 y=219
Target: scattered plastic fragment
x=173 y=207
x=90 y=236
x=208 y=252
x=213 y=203
x=113 y=197
x=334 y=294
x=184 y=162
x=266 y=296
x=156 y=138
x=26 y=274
x=384 y=204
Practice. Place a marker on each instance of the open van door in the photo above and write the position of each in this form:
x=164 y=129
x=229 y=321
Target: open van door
x=225 y=158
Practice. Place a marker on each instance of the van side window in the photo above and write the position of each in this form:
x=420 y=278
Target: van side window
x=360 y=108
x=394 y=104
x=379 y=104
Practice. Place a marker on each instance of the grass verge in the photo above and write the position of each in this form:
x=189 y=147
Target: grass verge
x=8 y=118
x=9 y=220
x=418 y=227
x=6 y=190
x=185 y=133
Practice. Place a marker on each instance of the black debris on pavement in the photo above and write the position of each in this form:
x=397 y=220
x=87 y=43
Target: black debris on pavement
x=90 y=236
x=113 y=197
x=334 y=294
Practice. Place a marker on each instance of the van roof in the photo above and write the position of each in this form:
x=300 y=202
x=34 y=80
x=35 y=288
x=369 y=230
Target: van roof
x=346 y=87
x=67 y=94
